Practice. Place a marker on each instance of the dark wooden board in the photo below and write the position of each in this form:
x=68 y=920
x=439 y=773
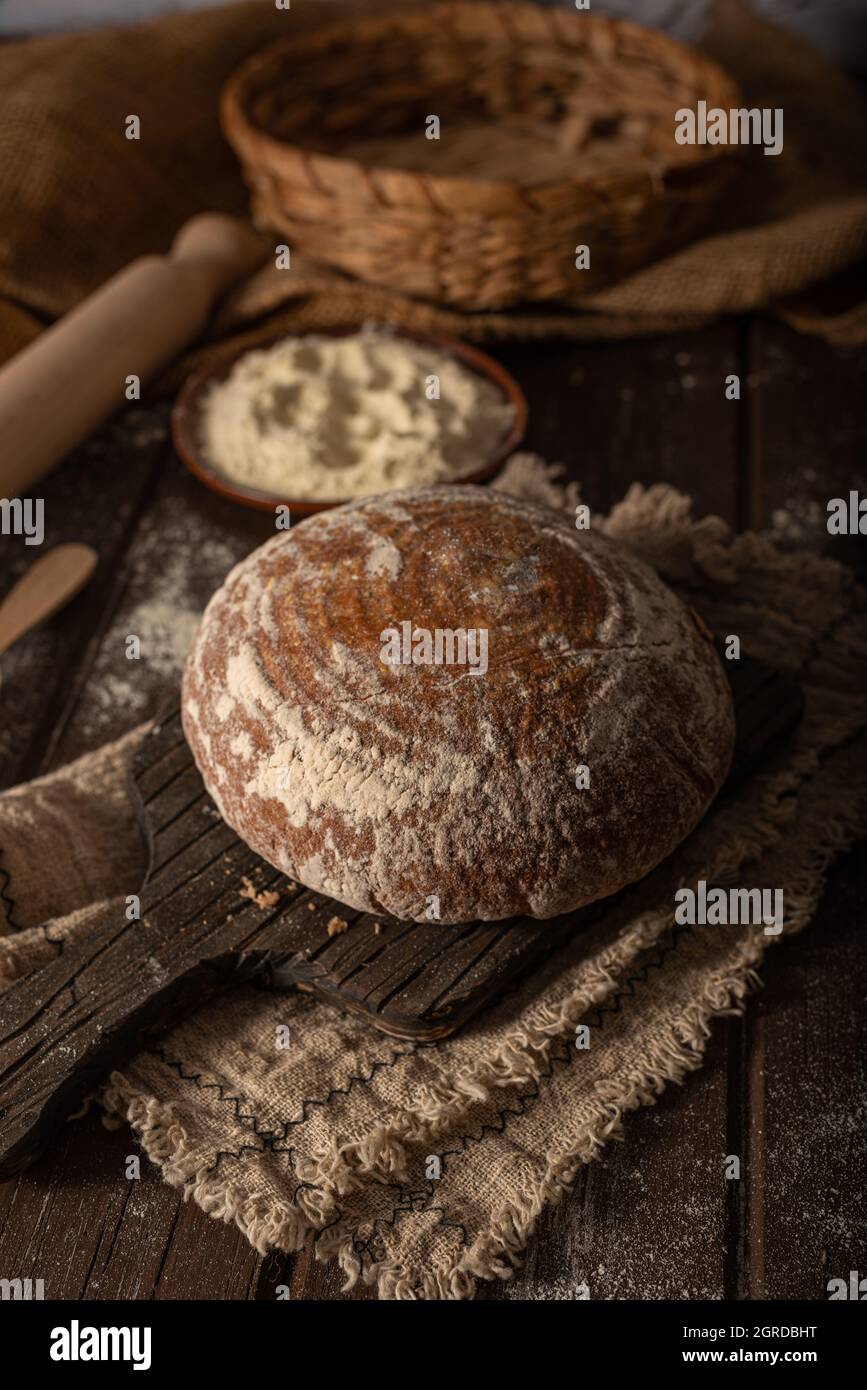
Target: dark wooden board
x=412 y=979
x=424 y=980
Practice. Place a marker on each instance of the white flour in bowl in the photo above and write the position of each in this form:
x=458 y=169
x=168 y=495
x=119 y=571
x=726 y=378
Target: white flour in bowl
x=328 y=419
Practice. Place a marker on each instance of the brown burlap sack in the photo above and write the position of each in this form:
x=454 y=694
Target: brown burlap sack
x=333 y=1133
x=81 y=200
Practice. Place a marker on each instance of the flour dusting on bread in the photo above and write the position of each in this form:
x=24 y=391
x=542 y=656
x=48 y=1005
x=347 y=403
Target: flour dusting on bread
x=382 y=785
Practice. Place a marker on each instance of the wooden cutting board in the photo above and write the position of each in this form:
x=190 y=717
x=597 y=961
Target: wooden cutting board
x=213 y=914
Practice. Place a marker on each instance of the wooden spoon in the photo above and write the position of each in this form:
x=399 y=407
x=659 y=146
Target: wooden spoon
x=51 y=582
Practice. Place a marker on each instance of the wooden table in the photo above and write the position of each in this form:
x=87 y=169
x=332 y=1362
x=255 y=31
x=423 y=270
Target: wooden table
x=783 y=1086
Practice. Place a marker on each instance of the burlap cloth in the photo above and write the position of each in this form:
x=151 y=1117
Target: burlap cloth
x=334 y=1132
x=80 y=200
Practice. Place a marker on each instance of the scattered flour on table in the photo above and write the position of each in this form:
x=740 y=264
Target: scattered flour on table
x=798 y=521
x=174 y=569
x=166 y=631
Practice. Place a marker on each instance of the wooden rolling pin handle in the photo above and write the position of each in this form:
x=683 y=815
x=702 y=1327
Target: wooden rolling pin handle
x=74 y=375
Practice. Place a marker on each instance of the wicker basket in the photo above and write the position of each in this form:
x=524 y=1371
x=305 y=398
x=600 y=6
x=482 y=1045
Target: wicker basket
x=601 y=92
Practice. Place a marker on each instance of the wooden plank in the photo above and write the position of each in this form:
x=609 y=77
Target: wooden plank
x=90 y=499
x=648 y=1219
x=802 y=1054
x=90 y=1232
x=810 y=438
x=648 y=411
x=807 y=1141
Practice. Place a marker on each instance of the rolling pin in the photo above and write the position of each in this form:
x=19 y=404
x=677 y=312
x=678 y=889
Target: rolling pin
x=73 y=376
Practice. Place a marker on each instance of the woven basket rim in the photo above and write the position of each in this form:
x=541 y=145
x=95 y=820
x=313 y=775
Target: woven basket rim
x=243 y=133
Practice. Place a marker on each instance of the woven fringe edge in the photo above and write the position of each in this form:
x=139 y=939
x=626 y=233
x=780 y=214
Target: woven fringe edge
x=266 y=1224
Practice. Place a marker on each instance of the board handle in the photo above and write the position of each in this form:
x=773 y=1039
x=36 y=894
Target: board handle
x=74 y=375
x=103 y=997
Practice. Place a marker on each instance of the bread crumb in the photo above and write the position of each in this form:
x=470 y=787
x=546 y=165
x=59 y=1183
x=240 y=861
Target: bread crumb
x=311 y=907
x=377 y=928
x=264 y=899
x=336 y=926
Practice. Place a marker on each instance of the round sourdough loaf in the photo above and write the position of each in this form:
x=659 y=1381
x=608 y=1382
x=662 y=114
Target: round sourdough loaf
x=342 y=751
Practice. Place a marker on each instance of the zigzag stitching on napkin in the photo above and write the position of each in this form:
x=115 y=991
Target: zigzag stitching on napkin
x=409 y=1205
x=224 y=1095
x=383 y=1064
x=405 y=1193
x=263 y=1148
x=269 y=1136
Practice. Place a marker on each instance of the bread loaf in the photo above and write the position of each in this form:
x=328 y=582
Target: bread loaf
x=355 y=741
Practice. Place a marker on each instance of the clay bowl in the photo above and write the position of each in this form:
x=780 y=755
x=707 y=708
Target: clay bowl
x=186 y=415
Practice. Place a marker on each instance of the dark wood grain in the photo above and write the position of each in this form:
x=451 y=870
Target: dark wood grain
x=90 y=499
x=797 y=1056
x=806 y=1044
x=93 y=1231
x=651 y=1218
